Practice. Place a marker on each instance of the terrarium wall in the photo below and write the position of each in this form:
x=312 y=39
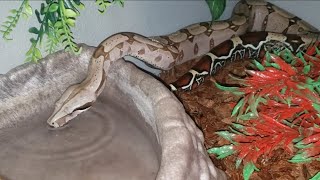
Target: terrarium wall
x=144 y=17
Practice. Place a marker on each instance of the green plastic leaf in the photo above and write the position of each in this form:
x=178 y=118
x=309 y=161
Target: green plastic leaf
x=248 y=169
x=222 y=152
x=52 y=43
x=5 y=26
x=34 y=30
x=28 y=9
x=226 y=135
x=302 y=145
x=37 y=53
x=78 y=51
x=120 y=2
x=306 y=69
x=43 y=9
x=268 y=56
x=58 y=25
x=275 y=65
x=253 y=104
x=258 y=65
x=238 y=126
x=7 y=22
x=283 y=90
x=287 y=56
x=28 y=59
x=234 y=90
x=81 y=6
x=235 y=131
x=53 y=7
x=25 y=16
x=247 y=116
x=10 y=18
x=316 y=177
x=5 y=36
x=13 y=11
x=316 y=107
x=70 y=22
x=70 y=13
x=318 y=51
x=103 y=5
x=237 y=107
x=238 y=163
x=70 y=4
x=38 y=16
x=298 y=139
x=300 y=55
x=59 y=31
x=309 y=80
x=33 y=41
x=33 y=54
x=216 y=8
x=13 y=19
x=300 y=158
x=29 y=52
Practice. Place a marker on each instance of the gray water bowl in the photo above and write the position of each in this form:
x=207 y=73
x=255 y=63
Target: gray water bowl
x=136 y=130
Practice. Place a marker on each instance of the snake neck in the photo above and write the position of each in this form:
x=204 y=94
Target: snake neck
x=117 y=46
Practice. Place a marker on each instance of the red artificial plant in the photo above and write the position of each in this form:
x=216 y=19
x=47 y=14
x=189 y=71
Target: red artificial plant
x=279 y=108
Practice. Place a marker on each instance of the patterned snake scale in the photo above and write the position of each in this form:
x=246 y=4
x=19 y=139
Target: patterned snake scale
x=251 y=45
x=164 y=52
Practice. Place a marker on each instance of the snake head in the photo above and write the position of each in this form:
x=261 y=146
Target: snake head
x=78 y=98
x=73 y=102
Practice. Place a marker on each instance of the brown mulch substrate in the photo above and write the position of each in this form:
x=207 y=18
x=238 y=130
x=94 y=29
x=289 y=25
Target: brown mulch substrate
x=209 y=108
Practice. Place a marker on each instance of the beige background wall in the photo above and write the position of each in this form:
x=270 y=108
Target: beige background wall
x=147 y=17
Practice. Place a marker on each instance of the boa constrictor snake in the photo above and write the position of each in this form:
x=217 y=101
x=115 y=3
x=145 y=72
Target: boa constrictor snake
x=164 y=52
x=252 y=45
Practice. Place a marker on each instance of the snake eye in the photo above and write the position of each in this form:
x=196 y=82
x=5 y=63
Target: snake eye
x=83 y=107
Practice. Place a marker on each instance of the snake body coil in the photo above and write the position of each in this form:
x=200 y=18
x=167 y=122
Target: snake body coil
x=164 y=52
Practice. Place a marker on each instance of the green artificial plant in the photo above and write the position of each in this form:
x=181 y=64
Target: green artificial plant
x=57 y=18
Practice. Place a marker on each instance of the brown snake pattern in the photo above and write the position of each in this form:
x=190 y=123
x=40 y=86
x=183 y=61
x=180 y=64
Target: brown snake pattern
x=252 y=45
x=164 y=52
